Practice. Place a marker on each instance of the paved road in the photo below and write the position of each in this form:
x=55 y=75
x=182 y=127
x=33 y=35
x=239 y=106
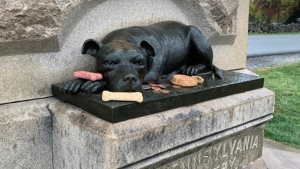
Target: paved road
x=273 y=44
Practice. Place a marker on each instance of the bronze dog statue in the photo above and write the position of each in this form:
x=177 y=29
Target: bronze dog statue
x=129 y=57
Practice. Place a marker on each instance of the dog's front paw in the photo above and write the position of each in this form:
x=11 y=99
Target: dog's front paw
x=91 y=87
x=73 y=86
x=194 y=70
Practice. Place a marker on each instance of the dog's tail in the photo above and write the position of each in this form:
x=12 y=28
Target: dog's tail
x=217 y=72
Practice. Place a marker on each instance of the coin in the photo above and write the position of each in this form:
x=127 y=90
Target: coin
x=156 y=88
x=152 y=84
x=176 y=87
x=165 y=91
x=146 y=87
x=155 y=91
x=161 y=86
x=167 y=84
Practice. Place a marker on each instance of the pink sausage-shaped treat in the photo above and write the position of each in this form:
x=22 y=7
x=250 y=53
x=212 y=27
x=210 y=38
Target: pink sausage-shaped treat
x=88 y=75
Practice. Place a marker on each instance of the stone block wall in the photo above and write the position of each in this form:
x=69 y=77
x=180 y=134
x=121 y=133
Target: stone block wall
x=273 y=28
x=40 y=43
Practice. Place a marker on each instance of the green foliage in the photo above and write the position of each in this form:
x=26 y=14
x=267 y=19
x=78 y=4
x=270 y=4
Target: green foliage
x=274 y=11
x=285 y=82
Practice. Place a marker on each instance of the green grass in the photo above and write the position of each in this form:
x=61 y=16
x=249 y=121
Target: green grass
x=292 y=33
x=285 y=82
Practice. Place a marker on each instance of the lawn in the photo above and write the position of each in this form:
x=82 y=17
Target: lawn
x=285 y=82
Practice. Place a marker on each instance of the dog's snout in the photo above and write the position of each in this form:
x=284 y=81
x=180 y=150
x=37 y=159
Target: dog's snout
x=130 y=78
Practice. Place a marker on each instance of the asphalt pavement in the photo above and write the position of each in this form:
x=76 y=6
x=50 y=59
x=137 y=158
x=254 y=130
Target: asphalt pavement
x=262 y=45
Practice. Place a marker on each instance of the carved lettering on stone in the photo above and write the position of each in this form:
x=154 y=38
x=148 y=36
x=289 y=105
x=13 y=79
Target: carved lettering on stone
x=232 y=153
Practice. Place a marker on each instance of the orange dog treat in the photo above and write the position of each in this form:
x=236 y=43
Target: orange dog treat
x=122 y=96
x=184 y=81
x=199 y=79
x=88 y=75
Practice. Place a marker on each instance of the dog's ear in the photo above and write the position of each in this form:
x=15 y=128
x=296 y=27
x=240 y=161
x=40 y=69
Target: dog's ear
x=91 y=47
x=147 y=48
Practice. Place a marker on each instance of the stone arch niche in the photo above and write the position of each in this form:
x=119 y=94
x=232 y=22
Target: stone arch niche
x=48 y=47
x=216 y=19
x=94 y=19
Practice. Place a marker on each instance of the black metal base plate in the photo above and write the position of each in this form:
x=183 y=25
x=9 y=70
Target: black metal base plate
x=232 y=83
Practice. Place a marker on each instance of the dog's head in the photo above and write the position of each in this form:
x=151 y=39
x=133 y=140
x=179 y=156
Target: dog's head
x=122 y=64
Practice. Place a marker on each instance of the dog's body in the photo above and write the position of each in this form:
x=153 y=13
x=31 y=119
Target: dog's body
x=131 y=56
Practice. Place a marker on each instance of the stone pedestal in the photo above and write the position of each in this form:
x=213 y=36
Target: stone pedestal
x=220 y=133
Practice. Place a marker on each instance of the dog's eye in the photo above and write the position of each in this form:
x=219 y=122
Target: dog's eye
x=139 y=63
x=109 y=62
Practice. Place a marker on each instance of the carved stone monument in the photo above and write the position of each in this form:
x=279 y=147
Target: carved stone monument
x=40 y=45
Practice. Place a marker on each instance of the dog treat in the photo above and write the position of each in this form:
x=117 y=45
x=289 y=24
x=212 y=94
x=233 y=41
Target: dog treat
x=184 y=81
x=122 y=96
x=88 y=75
x=199 y=79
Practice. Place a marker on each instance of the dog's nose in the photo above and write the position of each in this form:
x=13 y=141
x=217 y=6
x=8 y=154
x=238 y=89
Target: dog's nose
x=130 y=78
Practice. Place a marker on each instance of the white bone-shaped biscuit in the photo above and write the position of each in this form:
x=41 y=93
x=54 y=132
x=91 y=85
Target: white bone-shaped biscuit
x=122 y=96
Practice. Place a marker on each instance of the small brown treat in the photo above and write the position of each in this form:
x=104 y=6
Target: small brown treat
x=183 y=80
x=199 y=79
x=156 y=88
x=88 y=75
x=146 y=87
x=161 y=86
x=176 y=87
x=165 y=91
x=155 y=91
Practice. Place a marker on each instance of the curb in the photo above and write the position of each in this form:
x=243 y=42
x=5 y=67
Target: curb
x=253 y=55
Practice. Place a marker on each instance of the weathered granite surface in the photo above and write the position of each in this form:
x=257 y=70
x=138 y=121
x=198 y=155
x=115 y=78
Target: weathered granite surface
x=233 y=57
x=221 y=14
x=81 y=140
x=26 y=19
x=26 y=135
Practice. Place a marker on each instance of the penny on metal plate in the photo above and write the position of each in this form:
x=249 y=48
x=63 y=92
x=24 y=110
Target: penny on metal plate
x=167 y=84
x=152 y=84
x=165 y=91
x=155 y=91
x=156 y=88
x=161 y=86
x=146 y=87
x=176 y=87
